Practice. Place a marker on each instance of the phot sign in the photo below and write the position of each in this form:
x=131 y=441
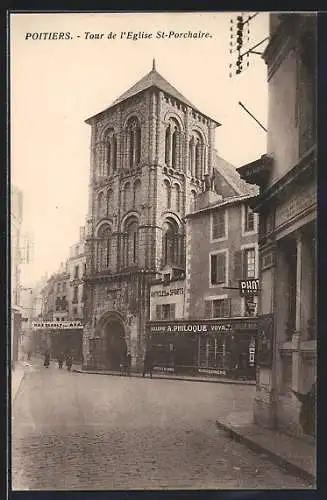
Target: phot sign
x=249 y=287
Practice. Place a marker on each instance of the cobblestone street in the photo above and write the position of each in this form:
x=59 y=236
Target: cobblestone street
x=93 y=432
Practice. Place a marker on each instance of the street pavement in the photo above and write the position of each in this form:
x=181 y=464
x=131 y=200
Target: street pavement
x=74 y=431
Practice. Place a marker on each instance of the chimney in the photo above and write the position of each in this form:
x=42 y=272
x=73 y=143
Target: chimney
x=209 y=196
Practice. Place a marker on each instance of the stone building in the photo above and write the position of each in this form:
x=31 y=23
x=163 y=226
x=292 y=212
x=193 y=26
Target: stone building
x=287 y=205
x=150 y=151
x=16 y=213
x=76 y=268
x=204 y=323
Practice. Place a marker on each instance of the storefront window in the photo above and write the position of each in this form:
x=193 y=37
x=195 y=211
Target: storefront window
x=289 y=249
x=212 y=353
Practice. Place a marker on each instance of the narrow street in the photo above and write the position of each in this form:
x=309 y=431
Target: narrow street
x=78 y=431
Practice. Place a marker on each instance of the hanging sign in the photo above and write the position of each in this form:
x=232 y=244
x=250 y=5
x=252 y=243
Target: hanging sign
x=249 y=287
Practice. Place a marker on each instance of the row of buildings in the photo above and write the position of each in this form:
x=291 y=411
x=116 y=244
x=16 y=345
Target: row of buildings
x=16 y=219
x=211 y=268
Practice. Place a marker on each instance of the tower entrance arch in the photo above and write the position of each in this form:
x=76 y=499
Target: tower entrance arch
x=115 y=346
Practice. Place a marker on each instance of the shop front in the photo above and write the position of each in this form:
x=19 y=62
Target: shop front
x=60 y=338
x=225 y=347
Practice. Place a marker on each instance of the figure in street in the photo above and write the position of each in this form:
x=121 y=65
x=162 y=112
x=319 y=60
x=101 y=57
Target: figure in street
x=129 y=364
x=60 y=360
x=69 y=361
x=148 y=364
x=47 y=359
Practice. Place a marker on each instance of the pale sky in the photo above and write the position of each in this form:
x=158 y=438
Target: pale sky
x=57 y=84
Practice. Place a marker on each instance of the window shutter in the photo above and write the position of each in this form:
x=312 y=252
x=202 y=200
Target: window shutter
x=238 y=265
x=244 y=264
x=207 y=309
x=221 y=268
x=158 y=311
x=213 y=271
x=172 y=311
x=226 y=308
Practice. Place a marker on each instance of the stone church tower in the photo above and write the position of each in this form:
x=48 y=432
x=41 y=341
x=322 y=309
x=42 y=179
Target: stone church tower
x=150 y=153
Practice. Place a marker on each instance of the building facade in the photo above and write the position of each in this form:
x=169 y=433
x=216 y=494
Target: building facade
x=201 y=323
x=287 y=236
x=62 y=304
x=16 y=212
x=76 y=268
x=150 y=151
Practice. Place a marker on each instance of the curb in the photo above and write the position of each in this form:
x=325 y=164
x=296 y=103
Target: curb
x=290 y=467
x=190 y=379
x=13 y=396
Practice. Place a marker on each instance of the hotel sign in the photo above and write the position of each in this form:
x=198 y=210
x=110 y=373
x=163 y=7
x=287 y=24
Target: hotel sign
x=57 y=325
x=296 y=204
x=167 y=293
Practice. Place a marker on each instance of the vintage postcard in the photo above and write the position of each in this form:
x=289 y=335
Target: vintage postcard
x=163 y=246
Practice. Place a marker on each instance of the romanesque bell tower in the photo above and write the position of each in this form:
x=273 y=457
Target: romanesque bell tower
x=150 y=153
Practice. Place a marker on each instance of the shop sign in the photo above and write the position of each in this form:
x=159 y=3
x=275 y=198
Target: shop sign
x=167 y=293
x=57 y=325
x=205 y=327
x=208 y=371
x=249 y=287
x=296 y=204
x=191 y=328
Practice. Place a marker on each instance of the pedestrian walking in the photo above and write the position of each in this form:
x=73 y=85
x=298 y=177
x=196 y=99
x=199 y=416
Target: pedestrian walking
x=60 y=360
x=124 y=366
x=47 y=359
x=69 y=361
x=29 y=354
x=129 y=364
x=148 y=364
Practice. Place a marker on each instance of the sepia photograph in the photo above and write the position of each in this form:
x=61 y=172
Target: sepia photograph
x=163 y=242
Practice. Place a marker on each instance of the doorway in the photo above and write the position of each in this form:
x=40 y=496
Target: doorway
x=115 y=343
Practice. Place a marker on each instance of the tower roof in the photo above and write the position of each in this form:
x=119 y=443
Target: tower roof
x=153 y=79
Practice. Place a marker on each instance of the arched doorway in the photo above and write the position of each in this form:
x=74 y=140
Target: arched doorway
x=115 y=343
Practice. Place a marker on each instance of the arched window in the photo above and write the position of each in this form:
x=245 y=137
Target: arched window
x=137 y=193
x=167 y=145
x=104 y=250
x=110 y=152
x=172 y=144
x=174 y=160
x=177 y=197
x=110 y=202
x=192 y=200
x=167 y=193
x=171 y=245
x=114 y=154
x=100 y=205
x=126 y=196
x=190 y=155
x=131 y=242
x=133 y=135
x=196 y=155
x=198 y=162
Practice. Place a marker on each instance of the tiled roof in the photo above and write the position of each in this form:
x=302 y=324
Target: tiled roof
x=221 y=203
x=153 y=79
x=229 y=172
